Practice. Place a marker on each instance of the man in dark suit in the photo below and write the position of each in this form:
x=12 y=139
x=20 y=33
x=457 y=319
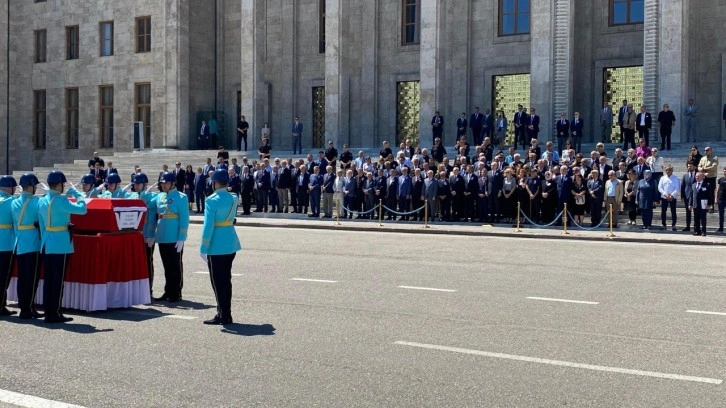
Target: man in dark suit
x=687 y=192
x=437 y=126
x=200 y=181
x=315 y=190
x=643 y=123
x=532 y=123
x=622 y=112
x=640 y=168
x=458 y=187
x=564 y=187
x=380 y=187
x=471 y=189
x=93 y=160
x=203 y=136
x=284 y=183
x=520 y=128
x=417 y=185
x=248 y=187
x=404 y=193
x=494 y=188
x=576 y=127
x=461 y=125
x=701 y=202
x=429 y=193
x=99 y=174
x=563 y=132
x=391 y=193
x=488 y=126
x=262 y=187
x=180 y=177
x=110 y=169
x=301 y=183
x=476 y=123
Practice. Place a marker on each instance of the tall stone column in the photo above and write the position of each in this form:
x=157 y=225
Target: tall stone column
x=4 y=43
x=175 y=88
x=369 y=73
x=336 y=82
x=254 y=92
x=671 y=58
x=563 y=41
x=542 y=64
x=430 y=67
x=651 y=48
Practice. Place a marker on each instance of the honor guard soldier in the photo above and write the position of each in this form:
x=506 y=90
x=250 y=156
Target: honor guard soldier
x=88 y=185
x=54 y=216
x=172 y=209
x=7 y=239
x=140 y=181
x=220 y=244
x=113 y=188
x=27 y=245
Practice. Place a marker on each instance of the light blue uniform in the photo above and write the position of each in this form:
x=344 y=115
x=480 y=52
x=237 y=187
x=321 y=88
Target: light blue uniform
x=25 y=215
x=150 y=221
x=92 y=193
x=219 y=236
x=172 y=209
x=54 y=215
x=118 y=193
x=7 y=232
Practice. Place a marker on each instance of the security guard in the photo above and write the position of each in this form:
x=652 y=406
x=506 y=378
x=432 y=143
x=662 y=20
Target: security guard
x=54 y=216
x=220 y=244
x=7 y=239
x=113 y=189
x=140 y=181
x=27 y=245
x=88 y=185
x=172 y=209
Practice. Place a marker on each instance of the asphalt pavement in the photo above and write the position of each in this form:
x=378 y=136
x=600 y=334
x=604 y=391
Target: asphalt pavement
x=357 y=318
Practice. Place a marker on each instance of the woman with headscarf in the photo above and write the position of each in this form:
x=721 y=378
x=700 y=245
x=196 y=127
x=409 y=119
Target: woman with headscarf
x=647 y=195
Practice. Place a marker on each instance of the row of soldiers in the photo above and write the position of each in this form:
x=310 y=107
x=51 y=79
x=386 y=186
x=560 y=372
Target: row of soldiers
x=36 y=228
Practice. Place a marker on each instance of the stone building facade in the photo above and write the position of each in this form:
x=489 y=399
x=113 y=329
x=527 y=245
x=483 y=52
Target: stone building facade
x=358 y=71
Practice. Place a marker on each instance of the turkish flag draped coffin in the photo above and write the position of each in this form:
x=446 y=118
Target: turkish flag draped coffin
x=110 y=215
x=108 y=268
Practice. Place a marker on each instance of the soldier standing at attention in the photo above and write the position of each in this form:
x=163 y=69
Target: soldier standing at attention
x=140 y=181
x=54 y=216
x=88 y=185
x=113 y=189
x=27 y=244
x=220 y=245
x=7 y=239
x=172 y=208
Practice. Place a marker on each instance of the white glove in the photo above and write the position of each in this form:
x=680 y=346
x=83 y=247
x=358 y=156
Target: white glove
x=153 y=186
x=101 y=188
x=127 y=188
x=179 y=246
x=44 y=187
x=150 y=242
x=203 y=257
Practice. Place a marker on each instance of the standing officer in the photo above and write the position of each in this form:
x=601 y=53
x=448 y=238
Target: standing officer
x=27 y=244
x=113 y=188
x=54 y=216
x=140 y=181
x=220 y=245
x=172 y=208
x=7 y=239
x=88 y=185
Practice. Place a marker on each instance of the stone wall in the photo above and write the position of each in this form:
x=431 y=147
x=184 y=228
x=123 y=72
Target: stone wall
x=708 y=47
x=4 y=163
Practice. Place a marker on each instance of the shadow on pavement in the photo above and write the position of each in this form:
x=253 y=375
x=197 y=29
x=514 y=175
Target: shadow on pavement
x=250 y=329
x=184 y=304
x=78 y=328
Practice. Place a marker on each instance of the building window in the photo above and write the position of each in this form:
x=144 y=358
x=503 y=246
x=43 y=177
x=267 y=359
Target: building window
x=40 y=45
x=509 y=91
x=321 y=27
x=408 y=111
x=72 y=118
x=622 y=83
x=106 y=35
x=39 y=119
x=627 y=12
x=411 y=22
x=72 y=42
x=106 y=115
x=143 y=34
x=143 y=110
x=513 y=17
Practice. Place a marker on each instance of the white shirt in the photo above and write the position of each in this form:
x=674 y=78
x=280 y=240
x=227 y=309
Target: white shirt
x=669 y=185
x=656 y=164
x=642 y=119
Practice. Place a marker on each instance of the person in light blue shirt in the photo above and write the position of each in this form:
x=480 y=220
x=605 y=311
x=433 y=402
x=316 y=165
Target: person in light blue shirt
x=172 y=209
x=220 y=244
x=27 y=245
x=141 y=192
x=54 y=217
x=88 y=186
x=7 y=239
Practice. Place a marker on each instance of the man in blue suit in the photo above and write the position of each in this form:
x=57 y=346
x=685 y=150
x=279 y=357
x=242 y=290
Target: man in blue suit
x=532 y=123
x=563 y=132
x=315 y=191
x=349 y=193
x=576 y=127
x=262 y=186
x=487 y=126
x=476 y=122
x=462 y=124
x=519 y=121
x=404 y=192
x=297 y=129
x=220 y=245
x=564 y=187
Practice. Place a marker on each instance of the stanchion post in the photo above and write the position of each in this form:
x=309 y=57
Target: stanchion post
x=337 y=217
x=380 y=213
x=611 y=222
x=564 y=220
x=519 y=211
x=426 y=213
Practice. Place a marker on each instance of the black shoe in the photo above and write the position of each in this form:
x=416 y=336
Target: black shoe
x=5 y=312
x=719 y=230
x=174 y=299
x=162 y=298
x=696 y=233
x=58 y=319
x=285 y=211
x=218 y=321
x=686 y=229
x=311 y=215
x=704 y=234
x=644 y=227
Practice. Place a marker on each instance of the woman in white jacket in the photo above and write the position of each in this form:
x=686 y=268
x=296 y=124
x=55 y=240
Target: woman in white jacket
x=655 y=162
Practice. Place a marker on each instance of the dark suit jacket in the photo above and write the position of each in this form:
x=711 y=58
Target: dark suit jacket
x=519 y=118
x=180 y=178
x=476 y=122
x=648 y=122
x=488 y=123
x=417 y=188
x=441 y=121
x=496 y=182
x=532 y=121
x=577 y=127
x=200 y=181
x=472 y=186
x=284 y=178
x=621 y=113
x=329 y=183
x=248 y=183
x=392 y=188
x=564 y=186
x=687 y=187
x=596 y=187
x=640 y=170
x=462 y=124
x=724 y=112
x=563 y=129
x=263 y=178
x=100 y=177
x=700 y=194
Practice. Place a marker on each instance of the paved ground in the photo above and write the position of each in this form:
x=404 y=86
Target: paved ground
x=401 y=319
